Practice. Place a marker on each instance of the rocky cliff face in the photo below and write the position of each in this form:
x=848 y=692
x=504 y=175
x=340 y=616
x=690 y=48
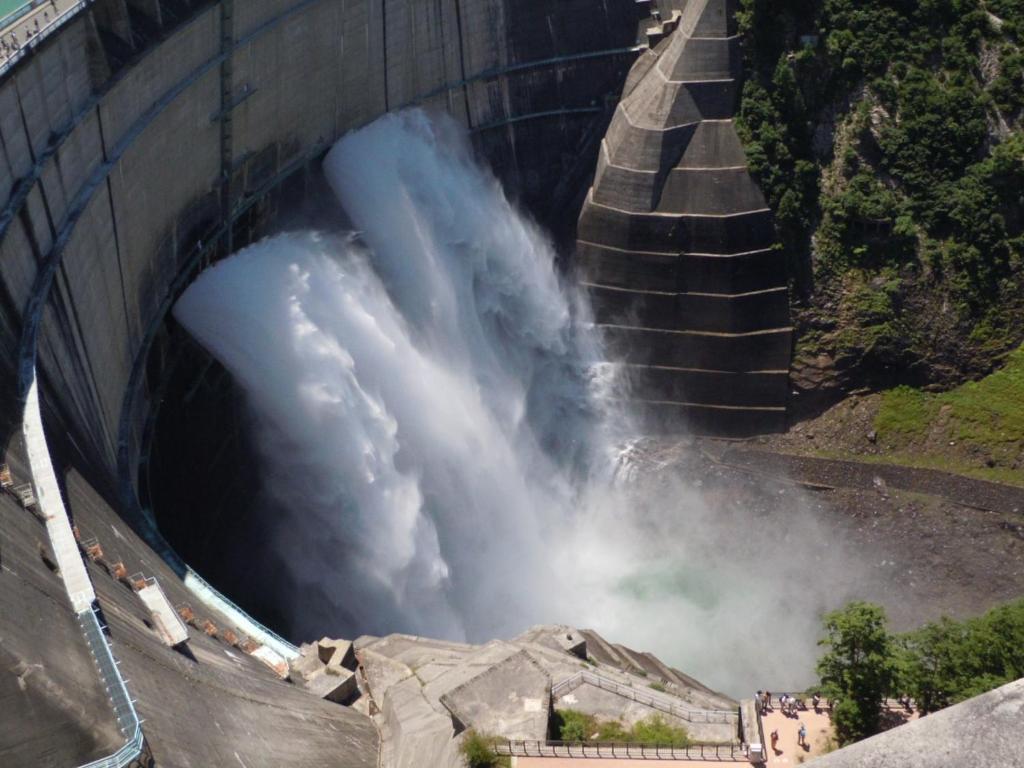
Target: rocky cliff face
x=887 y=137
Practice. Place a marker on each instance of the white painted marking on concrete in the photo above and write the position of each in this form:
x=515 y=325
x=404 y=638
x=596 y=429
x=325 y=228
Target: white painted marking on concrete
x=51 y=506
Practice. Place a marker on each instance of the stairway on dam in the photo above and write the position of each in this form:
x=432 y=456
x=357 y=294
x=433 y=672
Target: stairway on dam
x=676 y=242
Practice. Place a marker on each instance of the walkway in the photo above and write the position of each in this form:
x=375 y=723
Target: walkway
x=605 y=752
x=788 y=752
x=24 y=24
x=603 y=762
x=50 y=505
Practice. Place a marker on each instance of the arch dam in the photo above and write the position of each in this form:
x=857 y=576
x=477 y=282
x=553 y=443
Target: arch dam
x=143 y=139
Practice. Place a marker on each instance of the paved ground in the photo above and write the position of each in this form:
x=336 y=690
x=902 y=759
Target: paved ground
x=787 y=751
x=578 y=762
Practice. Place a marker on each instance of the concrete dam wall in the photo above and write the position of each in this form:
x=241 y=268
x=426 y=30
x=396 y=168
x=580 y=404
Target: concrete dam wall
x=141 y=141
x=676 y=240
x=140 y=129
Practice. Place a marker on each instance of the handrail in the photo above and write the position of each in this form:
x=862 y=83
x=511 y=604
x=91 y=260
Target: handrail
x=209 y=595
x=39 y=36
x=693 y=715
x=760 y=721
x=77 y=583
x=634 y=751
x=124 y=708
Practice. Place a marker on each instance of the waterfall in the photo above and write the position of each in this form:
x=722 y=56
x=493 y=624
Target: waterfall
x=440 y=442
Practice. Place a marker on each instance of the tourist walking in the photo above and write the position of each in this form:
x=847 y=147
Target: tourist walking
x=802 y=734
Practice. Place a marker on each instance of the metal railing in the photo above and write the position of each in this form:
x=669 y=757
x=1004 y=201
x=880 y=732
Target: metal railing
x=211 y=597
x=39 y=36
x=77 y=583
x=124 y=708
x=661 y=703
x=711 y=752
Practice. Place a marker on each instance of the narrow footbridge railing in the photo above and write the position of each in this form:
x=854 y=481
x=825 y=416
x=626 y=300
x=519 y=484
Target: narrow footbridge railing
x=124 y=708
x=76 y=581
x=662 y=703
x=723 y=753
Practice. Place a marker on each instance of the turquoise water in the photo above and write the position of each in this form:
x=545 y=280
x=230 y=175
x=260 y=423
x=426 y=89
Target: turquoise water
x=7 y=7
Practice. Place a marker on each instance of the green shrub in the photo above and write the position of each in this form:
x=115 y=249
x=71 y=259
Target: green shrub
x=478 y=751
x=570 y=725
x=656 y=730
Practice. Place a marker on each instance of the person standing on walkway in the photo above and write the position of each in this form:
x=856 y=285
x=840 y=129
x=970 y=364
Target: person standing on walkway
x=802 y=733
x=775 y=741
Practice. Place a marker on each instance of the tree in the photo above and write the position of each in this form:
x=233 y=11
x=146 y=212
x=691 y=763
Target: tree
x=859 y=669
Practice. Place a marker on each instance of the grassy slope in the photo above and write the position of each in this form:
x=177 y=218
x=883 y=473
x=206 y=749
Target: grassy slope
x=986 y=417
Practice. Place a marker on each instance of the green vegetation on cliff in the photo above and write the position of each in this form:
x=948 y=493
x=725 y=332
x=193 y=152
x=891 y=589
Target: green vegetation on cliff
x=887 y=137
x=940 y=664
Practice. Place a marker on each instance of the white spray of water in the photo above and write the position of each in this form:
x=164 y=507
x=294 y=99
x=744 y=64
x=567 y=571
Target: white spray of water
x=434 y=421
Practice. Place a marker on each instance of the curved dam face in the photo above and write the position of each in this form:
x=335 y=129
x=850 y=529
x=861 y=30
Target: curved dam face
x=143 y=140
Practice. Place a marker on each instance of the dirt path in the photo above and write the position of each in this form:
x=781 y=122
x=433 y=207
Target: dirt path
x=965 y=491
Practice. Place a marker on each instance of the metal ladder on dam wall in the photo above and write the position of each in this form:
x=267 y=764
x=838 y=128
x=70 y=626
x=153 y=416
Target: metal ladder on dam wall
x=50 y=505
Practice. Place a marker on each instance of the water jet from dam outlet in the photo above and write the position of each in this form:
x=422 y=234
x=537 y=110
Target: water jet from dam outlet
x=442 y=454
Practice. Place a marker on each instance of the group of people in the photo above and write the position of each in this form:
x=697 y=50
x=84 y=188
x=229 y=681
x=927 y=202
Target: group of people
x=801 y=739
x=10 y=45
x=789 y=705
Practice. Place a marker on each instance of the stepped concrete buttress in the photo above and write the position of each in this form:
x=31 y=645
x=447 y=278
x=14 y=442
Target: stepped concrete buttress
x=676 y=242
